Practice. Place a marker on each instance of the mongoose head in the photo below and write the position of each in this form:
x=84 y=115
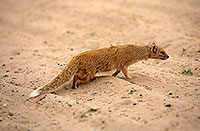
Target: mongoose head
x=157 y=52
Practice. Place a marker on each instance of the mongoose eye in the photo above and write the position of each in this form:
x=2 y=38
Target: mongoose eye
x=163 y=53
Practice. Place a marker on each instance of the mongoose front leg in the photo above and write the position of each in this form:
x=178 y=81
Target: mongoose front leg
x=75 y=80
x=116 y=73
x=125 y=71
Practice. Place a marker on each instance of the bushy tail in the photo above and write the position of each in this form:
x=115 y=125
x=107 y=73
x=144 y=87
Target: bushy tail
x=62 y=77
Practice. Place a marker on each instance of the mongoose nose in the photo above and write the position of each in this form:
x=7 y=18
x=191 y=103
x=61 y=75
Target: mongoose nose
x=167 y=57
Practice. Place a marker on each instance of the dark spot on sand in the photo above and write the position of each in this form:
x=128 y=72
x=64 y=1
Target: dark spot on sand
x=170 y=93
x=10 y=114
x=168 y=105
x=131 y=91
x=5 y=76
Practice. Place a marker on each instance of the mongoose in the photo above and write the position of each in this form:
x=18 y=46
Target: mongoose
x=84 y=66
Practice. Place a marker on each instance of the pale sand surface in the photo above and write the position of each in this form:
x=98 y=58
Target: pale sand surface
x=38 y=37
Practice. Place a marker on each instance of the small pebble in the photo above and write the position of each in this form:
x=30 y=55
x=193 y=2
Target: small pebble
x=131 y=92
x=10 y=114
x=89 y=99
x=170 y=93
x=5 y=76
x=134 y=104
x=4 y=104
x=168 y=105
x=140 y=101
x=16 y=71
x=69 y=105
x=105 y=82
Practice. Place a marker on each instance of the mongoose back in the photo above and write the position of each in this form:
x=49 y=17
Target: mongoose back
x=84 y=66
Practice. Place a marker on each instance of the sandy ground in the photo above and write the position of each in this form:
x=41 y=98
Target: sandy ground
x=38 y=38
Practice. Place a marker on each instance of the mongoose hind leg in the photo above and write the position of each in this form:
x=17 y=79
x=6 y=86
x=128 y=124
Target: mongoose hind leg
x=116 y=73
x=125 y=71
x=81 y=75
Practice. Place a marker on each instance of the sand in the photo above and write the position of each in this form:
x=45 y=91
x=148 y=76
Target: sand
x=38 y=38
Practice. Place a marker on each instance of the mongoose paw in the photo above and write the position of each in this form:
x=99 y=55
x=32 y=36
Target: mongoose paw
x=129 y=77
x=74 y=87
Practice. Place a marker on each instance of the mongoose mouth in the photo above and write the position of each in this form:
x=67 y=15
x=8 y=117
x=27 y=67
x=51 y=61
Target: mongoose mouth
x=164 y=58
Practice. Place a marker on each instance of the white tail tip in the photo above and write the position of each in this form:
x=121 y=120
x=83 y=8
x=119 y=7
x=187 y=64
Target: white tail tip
x=34 y=93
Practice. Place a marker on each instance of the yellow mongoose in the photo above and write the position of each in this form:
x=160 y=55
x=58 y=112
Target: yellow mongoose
x=84 y=66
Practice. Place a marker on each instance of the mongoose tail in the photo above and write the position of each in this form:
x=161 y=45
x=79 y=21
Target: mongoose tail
x=62 y=77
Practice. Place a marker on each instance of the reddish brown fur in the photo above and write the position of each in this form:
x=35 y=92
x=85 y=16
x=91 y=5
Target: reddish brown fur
x=85 y=65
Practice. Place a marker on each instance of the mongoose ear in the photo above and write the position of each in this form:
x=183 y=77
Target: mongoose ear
x=154 y=48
